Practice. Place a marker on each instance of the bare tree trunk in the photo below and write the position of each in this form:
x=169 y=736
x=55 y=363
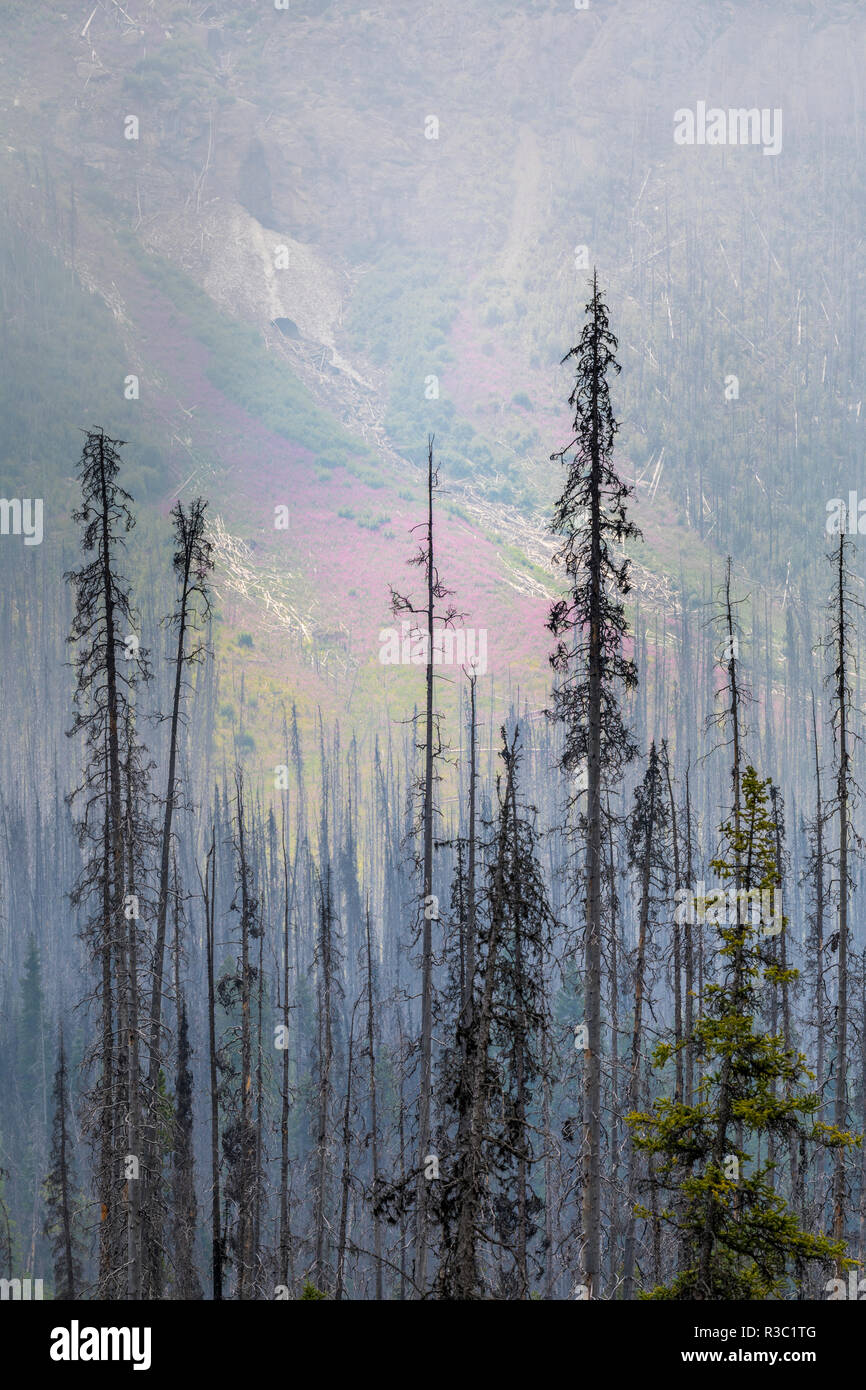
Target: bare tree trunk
x=248 y=1178
x=374 y=1122
x=689 y=1078
x=821 y=1067
x=861 y=1244
x=840 y=1107
x=468 y=951
x=591 y=1203
x=186 y=1282
x=469 y=974
x=285 y=1232
x=209 y=894
x=193 y=551
x=134 y=1076
x=426 y=1079
x=472 y=1176
x=117 y=925
x=520 y=1100
x=106 y=1087
x=326 y=1050
x=678 y=998
x=257 y=1199
x=548 y=1171
x=707 y=1239
x=615 y=1112
x=636 y=1037
x=347 y=1159
x=781 y=944
x=401 y=1138
x=67 y=1261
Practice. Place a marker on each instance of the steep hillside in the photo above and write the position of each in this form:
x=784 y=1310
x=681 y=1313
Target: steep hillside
x=315 y=236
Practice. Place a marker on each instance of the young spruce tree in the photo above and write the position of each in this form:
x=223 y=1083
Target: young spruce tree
x=737 y=1237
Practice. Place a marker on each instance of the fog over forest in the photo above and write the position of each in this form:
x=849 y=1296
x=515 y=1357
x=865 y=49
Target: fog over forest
x=431 y=771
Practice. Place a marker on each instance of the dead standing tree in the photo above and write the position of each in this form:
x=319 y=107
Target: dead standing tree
x=648 y=832
x=425 y=559
x=589 y=625
x=60 y=1187
x=107 y=660
x=193 y=560
x=840 y=647
x=239 y=1133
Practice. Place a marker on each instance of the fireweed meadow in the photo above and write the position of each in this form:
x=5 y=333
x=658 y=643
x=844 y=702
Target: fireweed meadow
x=562 y=1002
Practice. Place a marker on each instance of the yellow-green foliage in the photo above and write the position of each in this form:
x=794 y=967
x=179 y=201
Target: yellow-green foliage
x=750 y=1086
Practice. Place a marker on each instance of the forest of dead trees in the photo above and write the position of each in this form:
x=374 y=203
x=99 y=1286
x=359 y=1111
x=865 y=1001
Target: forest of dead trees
x=485 y=1008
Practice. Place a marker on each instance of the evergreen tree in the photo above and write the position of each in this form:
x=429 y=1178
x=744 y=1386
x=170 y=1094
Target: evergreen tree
x=737 y=1237
x=30 y=1102
x=60 y=1192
